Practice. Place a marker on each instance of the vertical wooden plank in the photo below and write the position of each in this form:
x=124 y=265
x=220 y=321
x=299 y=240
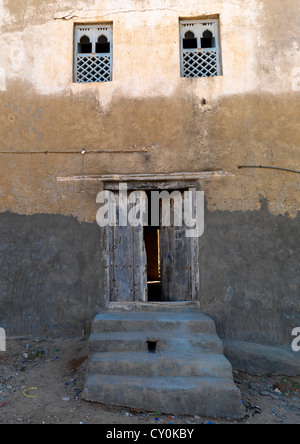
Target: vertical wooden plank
x=128 y=264
x=121 y=251
x=108 y=241
x=167 y=244
x=123 y=263
x=167 y=259
x=140 y=265
x=179 y=259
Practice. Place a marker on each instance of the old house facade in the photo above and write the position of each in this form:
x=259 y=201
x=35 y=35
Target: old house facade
x=156 y=95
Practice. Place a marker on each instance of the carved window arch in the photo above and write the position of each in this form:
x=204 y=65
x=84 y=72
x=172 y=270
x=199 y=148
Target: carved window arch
x=102 y=45
x=190 y=40
x=84 y=45
x=208 y=40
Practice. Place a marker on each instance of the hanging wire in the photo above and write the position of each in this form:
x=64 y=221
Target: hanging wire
x=269 y=168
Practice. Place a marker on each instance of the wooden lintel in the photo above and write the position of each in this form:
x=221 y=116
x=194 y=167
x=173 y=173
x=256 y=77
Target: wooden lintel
x=146 y=177
x=166 y=185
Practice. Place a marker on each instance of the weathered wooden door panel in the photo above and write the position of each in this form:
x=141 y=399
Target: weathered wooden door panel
x=179 y=262
x=127 y=263
x=122 y=282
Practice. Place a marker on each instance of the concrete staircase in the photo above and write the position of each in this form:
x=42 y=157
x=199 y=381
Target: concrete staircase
x=164 y=361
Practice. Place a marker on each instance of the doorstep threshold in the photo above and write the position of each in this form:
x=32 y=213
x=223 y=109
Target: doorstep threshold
x=169 y=305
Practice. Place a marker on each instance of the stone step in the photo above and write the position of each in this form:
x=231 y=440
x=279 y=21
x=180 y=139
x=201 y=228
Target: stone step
x=182 y=323
x=137 y=341
x=167 y=358
x=213 y=397
x=160 y=364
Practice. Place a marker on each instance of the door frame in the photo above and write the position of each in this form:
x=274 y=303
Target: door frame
x=169 y=185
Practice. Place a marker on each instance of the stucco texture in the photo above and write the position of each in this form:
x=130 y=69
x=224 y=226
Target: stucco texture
x=250 y=115
x=151 y=120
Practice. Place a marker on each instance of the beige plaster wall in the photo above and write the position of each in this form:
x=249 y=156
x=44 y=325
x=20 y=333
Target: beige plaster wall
x=148 y=119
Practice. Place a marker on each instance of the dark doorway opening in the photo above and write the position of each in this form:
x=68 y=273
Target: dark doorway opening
x=151 y=237
x=152 y=245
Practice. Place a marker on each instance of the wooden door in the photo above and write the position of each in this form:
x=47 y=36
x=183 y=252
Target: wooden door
x=127 y=263
x=179 y=262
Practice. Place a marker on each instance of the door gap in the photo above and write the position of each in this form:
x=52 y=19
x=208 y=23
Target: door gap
x=152 y=245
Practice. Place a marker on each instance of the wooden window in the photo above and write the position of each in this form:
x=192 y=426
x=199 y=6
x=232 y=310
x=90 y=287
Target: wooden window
x=200 y=48
x=93 y=53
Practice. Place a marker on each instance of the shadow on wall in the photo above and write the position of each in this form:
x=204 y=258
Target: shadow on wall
x=250 y=273
x=51 y=274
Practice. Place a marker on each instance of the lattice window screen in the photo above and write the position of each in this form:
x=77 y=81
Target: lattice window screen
x=93 y=61
x=204 y=59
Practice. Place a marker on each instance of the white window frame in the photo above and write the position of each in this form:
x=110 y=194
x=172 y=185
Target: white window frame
x=95 y=63
x=198 y=27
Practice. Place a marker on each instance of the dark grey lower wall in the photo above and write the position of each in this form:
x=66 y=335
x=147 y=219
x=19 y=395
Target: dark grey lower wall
x=250 y=272
x=51 y=275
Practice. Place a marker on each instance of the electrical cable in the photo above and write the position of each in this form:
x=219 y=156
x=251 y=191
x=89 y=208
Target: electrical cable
x=269 y=168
